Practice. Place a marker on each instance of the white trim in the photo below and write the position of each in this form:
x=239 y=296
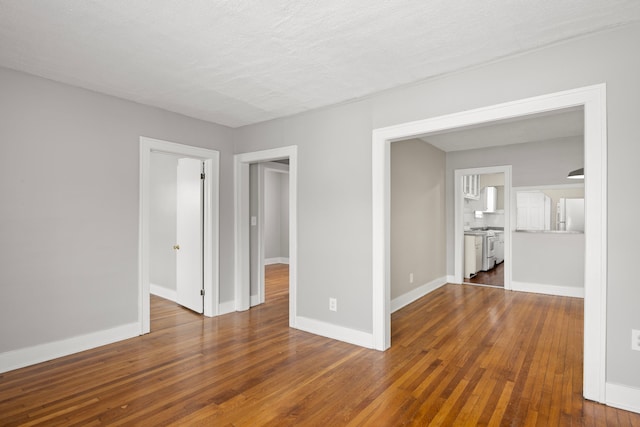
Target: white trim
x=242 y=262
x=458 y=235
x=405 y=299
x=20 y=358
x=255 y=300
x=623 y=397
x=539 y=288
x=276 y=260
x=593 y=98
x=452 y=279
x=211 y=159
x=226 y=307
x=163 y=292
x=340 y=333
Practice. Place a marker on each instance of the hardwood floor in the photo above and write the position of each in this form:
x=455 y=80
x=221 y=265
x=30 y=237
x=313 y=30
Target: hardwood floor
x=493 y=277
x=461 y=356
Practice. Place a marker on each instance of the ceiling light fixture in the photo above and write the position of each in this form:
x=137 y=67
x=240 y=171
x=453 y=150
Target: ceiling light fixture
x=576 y=174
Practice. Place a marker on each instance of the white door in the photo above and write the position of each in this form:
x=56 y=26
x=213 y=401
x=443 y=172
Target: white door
x=189 y=274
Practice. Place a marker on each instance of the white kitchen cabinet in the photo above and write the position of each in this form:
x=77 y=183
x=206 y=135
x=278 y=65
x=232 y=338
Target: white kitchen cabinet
x=472 y=255
x=533 y=211
x=471 y=186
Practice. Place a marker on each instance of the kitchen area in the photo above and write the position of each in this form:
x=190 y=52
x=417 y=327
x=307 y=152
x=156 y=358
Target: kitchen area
x=484 y=229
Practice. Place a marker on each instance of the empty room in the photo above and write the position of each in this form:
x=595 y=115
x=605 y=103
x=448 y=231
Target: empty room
x=318 y=213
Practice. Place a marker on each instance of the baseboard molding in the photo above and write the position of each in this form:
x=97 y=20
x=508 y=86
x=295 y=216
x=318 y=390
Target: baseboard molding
x=277 y=260
x=329 y=330
x=451 y=279
x=623 y=397
x=563 y=291
x=163 y=292
x=406 y=299
x=226 y=307
x=20 y=358
x=255 y=300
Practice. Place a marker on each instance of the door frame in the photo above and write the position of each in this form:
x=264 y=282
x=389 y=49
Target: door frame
x=242 y=261
x=458 y=215
x=211 y=159
x=593 y=99
x=263 y=168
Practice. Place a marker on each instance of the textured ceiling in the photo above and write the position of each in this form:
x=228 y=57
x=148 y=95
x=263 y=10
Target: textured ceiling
x=240 y=62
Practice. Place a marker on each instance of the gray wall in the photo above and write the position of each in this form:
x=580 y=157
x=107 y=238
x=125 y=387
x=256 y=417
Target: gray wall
x=418 y=219
x=334 y=148
x=276 y=215
x=162 y=220
x=69 y=173
x=548 y=259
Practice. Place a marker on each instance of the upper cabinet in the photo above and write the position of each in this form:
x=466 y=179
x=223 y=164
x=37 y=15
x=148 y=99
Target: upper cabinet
x=471 y=186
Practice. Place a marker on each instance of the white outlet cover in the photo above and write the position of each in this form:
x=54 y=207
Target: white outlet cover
x=333 y=304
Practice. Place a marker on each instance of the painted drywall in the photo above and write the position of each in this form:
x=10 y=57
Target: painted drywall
x=548 y=259
x=334 y=203
x=162 y=220
x=418 y=221
x=69 y=180
x=276 y=215
x=284 y=215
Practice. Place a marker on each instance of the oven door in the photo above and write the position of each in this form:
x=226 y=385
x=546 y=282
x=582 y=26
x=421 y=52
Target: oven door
x=491 y=246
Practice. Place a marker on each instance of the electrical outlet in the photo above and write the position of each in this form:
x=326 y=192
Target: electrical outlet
x=333 y=304
x=410 y=277
x=635 y=339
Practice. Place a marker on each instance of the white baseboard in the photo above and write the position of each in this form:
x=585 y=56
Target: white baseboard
x=255 y=300
x=329 y=330
x=226 y=307
x=623 y=397
x=163 y=292
x=277 y=260
x=406 y=299
x=451 y=279
x=536 y=288
x=20 y=358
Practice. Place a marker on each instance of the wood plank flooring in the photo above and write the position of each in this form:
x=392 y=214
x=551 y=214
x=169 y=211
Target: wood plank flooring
x=493 y=277
x=461 y=356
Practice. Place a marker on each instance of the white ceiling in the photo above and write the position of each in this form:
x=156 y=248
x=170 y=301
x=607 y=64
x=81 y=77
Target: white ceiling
x=539 y=127
x=240 y=62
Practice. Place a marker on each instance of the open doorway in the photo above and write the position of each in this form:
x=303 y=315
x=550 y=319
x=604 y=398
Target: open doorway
x=593 y=100
x=243 y=221
x=176 y=229
x=269 y=235
x=484 y=217
x=208 y=163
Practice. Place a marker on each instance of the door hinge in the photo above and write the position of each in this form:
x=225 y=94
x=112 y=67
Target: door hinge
x=201 y=176
x=202 y=292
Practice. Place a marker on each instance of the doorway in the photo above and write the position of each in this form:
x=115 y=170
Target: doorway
x=485 y=217
x=242 y=191
x=210 y=233
x=176 y=229
x=269 y=235
x=593 y=99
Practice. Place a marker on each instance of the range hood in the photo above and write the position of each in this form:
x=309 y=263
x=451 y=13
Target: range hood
x=489 y=199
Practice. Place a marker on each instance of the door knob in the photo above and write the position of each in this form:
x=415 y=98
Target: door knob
x=176 y=247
